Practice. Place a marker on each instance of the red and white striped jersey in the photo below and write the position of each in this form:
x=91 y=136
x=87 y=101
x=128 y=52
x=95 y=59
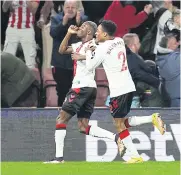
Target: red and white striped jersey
x=22 y=17
x=82 y=77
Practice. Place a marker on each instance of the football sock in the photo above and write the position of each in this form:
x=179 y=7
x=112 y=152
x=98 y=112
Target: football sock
x=60 y=134
x=128 y=143
x=96 y=131
x=135 y=121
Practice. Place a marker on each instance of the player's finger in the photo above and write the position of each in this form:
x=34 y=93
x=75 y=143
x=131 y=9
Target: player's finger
x=71 y=27
x=76 y=28
x=72 y=56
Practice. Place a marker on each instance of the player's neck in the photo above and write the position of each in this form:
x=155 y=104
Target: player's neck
x=86 y=39
x=110 y=38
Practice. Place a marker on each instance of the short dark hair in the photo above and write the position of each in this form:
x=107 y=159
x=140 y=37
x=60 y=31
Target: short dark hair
x=164 y=40
x=93 y=26
x=109 y=27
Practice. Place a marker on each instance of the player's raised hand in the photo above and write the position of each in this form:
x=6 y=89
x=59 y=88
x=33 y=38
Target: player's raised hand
x=73 y=29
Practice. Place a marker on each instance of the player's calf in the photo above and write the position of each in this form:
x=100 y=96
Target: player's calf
x=83 y=125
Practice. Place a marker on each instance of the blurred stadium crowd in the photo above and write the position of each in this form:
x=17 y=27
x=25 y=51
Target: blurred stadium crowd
x=35 y=74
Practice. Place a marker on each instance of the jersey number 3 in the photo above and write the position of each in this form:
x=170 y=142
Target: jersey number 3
x=121 y=56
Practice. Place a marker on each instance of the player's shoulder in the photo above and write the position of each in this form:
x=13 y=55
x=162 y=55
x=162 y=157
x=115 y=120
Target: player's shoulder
x=112 y=42
x=118 y=39
x=115 y=40
x=76 y=45
x=101 y=47
x=91 y=42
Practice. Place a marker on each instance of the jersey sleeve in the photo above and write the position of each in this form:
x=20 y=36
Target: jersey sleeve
x=94 y=59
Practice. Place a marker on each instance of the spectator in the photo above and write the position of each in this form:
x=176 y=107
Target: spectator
x=16 y=79
x=167 y=15
x=157 y=5
x=168 y=61
x=20 y=29
x=149 y=96
x=44 y=24
x=176 y=19
x=62 y=64
x=119 y=10
x=139 y=70
x=173 y=25
x=48 y=8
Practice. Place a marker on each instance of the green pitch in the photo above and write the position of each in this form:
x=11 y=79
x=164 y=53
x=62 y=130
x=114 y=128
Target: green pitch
x=85 y=168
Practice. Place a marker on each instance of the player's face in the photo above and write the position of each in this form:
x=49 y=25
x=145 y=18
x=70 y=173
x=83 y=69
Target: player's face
x=83 y=29
x=100 y=34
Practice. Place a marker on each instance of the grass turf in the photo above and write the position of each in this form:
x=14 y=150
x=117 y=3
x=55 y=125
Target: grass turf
x=86 y=168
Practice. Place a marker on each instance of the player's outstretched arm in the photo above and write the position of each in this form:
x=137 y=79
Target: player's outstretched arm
x=64 y=48
x=94 y=58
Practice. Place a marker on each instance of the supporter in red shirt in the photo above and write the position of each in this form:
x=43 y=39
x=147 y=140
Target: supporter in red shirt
x=125 y=16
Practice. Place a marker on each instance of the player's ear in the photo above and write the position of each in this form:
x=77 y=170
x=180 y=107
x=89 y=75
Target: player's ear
x=89 y=32
x=105 y=34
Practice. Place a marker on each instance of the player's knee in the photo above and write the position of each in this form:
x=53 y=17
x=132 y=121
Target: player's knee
x=63 y=117
x=119 y=124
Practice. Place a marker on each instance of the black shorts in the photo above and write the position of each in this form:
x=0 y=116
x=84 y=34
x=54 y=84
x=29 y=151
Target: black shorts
x=121 y=105
x=80 y=101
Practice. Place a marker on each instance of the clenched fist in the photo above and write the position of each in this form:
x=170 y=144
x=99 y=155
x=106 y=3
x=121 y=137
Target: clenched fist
x=73 y=29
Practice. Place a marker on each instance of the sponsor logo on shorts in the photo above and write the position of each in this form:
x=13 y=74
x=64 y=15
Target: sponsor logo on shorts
x=72 y=97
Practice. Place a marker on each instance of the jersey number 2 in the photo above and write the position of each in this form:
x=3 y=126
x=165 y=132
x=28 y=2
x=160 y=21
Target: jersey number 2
x=122 y=56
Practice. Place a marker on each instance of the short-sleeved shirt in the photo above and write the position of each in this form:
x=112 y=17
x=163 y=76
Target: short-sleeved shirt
x=82 y=77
